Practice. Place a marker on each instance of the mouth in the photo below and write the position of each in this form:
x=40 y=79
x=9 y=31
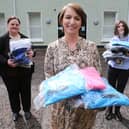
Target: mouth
x=71 y=27
x=14 y=29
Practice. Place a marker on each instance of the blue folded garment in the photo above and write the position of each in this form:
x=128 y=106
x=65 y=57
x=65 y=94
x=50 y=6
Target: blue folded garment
x=120 y=49
x=19 y=56
x=120 y=43
x=67 y=83
x=103 y=98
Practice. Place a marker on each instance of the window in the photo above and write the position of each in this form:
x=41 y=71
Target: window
x=2 y=23
x=108 y=25
x=35 y=26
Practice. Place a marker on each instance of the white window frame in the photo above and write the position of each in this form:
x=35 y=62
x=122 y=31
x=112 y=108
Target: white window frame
x=28 y=27
x=3 y=26
x=128 y=17
x=102 y=28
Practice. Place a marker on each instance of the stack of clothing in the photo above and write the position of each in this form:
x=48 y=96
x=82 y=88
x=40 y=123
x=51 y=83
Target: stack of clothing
x=117 y=51
x=84 y=87
x=18 y=49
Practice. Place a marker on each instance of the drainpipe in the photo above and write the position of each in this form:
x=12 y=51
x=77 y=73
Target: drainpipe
x=14 y=7
x=128 y=12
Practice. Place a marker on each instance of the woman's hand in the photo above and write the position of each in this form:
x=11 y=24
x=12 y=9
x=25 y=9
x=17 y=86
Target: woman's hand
x=30 y=53
x=11 y=63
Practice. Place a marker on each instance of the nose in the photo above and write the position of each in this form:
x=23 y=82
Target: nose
x=14 y=26
x=72 y=21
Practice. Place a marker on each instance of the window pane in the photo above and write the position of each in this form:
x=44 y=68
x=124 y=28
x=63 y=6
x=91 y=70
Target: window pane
x=34 y=18
x=35 y=25
x=108 y=31
x=108 y=25
x=35 y=32
x=2 y=23
x=109 y=18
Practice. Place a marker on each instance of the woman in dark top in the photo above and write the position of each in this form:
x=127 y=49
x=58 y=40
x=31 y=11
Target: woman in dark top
x=17 y=79
x=118 y=69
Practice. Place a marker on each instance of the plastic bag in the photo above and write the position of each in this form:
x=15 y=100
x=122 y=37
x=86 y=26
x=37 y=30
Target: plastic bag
x=94 y=99
x=92 y=78
x=19 y=50
x=67 y=83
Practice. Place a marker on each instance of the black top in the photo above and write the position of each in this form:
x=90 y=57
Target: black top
x=4 y=53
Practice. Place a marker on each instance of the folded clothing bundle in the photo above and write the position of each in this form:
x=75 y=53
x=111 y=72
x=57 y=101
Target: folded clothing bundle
x=117 y=51
x=20 y=57
x=94 y=91
x=67 y=83
x=92 y=78
x=19 y=50
x=94 y=99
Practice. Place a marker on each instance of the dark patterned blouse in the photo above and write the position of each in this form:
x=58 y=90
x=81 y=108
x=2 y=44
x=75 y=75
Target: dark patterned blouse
x=59 y=56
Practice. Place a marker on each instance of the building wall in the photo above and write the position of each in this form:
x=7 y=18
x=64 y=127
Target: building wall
x=49 y=11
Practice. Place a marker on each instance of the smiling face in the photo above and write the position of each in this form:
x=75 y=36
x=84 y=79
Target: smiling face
x=121 y=29
x=13 y=26
x=71 y=22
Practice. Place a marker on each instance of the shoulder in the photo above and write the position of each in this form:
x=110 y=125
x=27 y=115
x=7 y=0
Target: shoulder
x=54 y=44
x=4 y=36
x=87 y=42
x=22 y=35
x=128 y=38
x=115 y=38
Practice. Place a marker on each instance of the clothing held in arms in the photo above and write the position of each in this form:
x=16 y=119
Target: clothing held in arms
x=79 y=86
x=71 y=82
x=18 y=49
x=65 y=84
x=102 y=98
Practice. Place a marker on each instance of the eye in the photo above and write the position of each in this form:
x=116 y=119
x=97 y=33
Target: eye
x=77 y=18
x=17 y=24
x=14 y=24
x=67 y=17
x=121 y=25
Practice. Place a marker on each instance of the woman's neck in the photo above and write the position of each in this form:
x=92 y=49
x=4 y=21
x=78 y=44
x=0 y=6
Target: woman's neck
x=71 y=41
x=121 y=36
x=14 y=35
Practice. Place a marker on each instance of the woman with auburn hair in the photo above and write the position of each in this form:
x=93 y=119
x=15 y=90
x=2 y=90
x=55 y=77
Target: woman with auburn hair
x=69 y=49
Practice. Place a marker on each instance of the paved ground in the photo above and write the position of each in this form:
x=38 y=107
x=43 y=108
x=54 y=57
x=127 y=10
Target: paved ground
x=39 y=119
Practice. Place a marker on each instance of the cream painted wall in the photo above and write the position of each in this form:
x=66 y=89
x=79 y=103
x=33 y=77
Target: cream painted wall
x=50 y=8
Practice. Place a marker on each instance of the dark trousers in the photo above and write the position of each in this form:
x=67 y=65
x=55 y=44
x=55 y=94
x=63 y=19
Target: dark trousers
x=19 y=89
x=118 y=79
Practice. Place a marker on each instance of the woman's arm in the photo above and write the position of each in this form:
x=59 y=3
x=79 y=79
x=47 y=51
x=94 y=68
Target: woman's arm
x=49 y=62
x=96 y=58
x=3 y=54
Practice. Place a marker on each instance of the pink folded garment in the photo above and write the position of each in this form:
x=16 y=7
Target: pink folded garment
x=93 y=79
